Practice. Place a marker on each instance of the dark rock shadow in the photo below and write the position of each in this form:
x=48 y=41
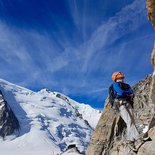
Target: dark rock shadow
x=18 y=111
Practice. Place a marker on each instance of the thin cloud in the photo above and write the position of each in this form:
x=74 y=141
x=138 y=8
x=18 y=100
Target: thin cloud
x=56 y=62
x=116 y=27
x=23 y=51
x=97 y=90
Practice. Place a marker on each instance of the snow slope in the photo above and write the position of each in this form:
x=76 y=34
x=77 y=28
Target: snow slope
x=49 y=123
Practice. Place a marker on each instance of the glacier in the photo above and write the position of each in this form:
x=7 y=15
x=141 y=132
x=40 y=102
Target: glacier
x=50 y=122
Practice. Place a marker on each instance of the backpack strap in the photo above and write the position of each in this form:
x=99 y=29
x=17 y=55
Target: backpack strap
x=111 y=95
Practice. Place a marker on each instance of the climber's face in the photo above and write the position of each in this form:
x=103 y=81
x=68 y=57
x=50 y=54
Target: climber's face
x=120 y=80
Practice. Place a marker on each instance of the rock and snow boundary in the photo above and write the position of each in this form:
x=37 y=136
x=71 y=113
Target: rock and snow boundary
x=50 y=122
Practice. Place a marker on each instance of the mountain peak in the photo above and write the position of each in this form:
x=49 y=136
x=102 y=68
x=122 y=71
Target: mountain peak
x=49 y=121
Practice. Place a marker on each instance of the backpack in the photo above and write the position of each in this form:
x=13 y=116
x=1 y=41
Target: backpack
x=112 y=96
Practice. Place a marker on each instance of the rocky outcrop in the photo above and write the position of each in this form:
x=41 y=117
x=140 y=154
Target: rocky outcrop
x=108 y=128
x=142 y=104
x=151 y=133
x=151 y=15
x=152 y=91
x=8 y=121
x=147 y=149
x=153 y=58
x=151 y=10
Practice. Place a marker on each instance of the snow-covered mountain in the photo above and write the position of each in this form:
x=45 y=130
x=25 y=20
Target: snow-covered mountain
x=50 y=122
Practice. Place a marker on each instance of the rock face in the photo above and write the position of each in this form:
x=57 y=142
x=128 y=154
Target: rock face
x=151 y=10
x=8 y=121
x=150 y=145
x=105 y=132
x=151 y=133
x=110 y=133
x=142 y=104
x=152 y=91
x=147 y=149
x=153 y=57
x=151 y=15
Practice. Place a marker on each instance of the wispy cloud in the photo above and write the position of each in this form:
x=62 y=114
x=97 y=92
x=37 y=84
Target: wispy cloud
x=27 y=53
x=127 y=20
x=100 y=53
x=42 y=59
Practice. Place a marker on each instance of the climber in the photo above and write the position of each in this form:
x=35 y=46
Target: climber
x=122 y=96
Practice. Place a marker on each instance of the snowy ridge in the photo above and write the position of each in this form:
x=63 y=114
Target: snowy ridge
x=50 y=122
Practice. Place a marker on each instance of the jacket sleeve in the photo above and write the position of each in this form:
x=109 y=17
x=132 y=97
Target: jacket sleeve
x=121 y=92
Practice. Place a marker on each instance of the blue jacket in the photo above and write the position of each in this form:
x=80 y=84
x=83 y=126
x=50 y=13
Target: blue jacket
x=121 y=93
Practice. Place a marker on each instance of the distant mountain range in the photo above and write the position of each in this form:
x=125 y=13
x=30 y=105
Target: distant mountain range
x=43 y=123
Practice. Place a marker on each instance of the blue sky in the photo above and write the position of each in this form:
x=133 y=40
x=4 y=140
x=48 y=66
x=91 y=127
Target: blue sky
x=73 y=46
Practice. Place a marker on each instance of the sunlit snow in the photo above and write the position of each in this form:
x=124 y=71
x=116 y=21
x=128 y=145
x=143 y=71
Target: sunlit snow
x=49 y=123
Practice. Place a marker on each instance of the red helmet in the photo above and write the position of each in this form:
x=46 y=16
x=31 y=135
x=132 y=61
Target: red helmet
x=117 y=75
